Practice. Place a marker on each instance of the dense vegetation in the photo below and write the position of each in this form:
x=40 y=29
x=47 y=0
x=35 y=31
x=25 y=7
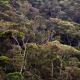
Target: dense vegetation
x=39 y=39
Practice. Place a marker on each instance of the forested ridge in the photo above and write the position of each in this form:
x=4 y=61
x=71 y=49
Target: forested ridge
x=39 y=39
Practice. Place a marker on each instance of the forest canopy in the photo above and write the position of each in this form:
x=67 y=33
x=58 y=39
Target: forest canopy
x=39 y=39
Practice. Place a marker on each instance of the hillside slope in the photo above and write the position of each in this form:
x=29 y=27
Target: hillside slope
x=39 y=39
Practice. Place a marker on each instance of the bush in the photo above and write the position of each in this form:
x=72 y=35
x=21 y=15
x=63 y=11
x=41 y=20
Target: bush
x=4 y=58
x=14 y=76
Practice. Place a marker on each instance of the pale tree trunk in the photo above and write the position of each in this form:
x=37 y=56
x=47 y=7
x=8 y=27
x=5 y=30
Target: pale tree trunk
x=52 y=70
x=24 y=59
x=61 y=68
x=22 y=52
x=24 y=56
x=14 y=37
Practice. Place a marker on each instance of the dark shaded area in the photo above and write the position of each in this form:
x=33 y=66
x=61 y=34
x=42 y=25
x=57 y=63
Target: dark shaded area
x=69 y=40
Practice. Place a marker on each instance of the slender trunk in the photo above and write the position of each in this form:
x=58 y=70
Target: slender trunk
x=24 y=61
x=52 y=70
x=16 y=41
x=24 y=58
x=61 y=69
x=21 y=51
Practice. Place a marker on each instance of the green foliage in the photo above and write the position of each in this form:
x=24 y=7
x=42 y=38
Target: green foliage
x=6 y=2
x=14 y=76
x=17 y=59
x=5 y=5
x=36 y=77
x=4 y=59
x=65 y=26
x=6 y=23
x=5 y=32
x=40 y=39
